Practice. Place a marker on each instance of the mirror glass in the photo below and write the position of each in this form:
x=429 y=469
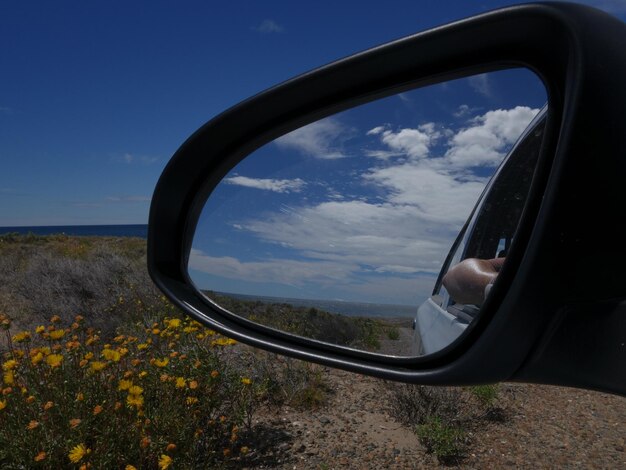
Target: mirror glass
x=338 y=231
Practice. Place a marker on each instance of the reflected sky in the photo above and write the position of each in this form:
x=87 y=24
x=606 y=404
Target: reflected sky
x=364 y=205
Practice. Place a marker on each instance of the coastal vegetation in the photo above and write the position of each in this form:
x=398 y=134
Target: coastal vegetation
x=99 y=370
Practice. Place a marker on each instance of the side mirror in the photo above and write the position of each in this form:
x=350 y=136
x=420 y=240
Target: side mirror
x=541 y=215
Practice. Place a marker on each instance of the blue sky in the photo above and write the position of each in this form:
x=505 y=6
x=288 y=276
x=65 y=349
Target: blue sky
x=96 y=96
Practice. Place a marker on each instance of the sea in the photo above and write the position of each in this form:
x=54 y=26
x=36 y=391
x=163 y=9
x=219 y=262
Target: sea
x=137 y=230
x=361 y=309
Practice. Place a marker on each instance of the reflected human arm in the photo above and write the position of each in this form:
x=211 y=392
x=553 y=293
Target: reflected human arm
x=466 y=282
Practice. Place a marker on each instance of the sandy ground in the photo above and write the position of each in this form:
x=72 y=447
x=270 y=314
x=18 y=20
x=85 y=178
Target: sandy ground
x=545 y=427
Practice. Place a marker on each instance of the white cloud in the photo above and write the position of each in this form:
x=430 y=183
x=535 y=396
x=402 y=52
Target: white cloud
x=464 y=110
x=321 y=139
x=415 y=143
x=128 y=199
x=130 y=158
x=269 y=26
x=284 y=271
x=488 y=138
x=376 y=130
x=480 y=84
x=278 y=186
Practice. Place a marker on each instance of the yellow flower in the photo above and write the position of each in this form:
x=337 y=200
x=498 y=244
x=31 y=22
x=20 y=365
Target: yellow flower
x=119 y=338
x=161 y=362
x=180 y=382
x=142 y=346
x=244 y=450
x=10 y=364
x=57 y=334
x=134 y=400
x=88 y=356
x=191 y=400
x=122 y=351
x=173 y=323
x=164 y=462
x=214 y=373
x=97 y=366
x=223 y=342
x=30 y=399
x=80 y=397
x=78 y=452
x=33 y=424
x=130 y=467
x=40 y=329
x=143 y=373
x=9 y=378
x=40 y=456
x=193 y=384
x=3 y=404
x=36 y=359
x=55 y=319
x=48 y=405
x=21 y=337
x=54 y=360
x=135 y=390
x=124 y=385
x=97 y=410
x=111 y=355
x=75 y=422
x=156 y=331
x=246 y=381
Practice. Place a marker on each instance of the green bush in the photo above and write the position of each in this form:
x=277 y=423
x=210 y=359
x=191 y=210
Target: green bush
x=446 y=441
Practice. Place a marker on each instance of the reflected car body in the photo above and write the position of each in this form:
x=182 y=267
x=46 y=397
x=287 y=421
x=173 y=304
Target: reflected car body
x=440 y=320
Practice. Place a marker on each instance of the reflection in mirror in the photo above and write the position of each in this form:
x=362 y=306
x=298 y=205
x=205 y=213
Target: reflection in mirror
x=338 y=230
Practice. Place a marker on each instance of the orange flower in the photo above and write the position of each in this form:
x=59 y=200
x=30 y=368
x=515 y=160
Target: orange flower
x=214 y=373
x=193 y=384
x=30 y=399
x=80 y=397
x=170 y=447
x=97 y=410
x=117 y=406
x=33 y=424
x=40 y=456
x=48 y=405
x=145 y=442
x=55 y=319
x=75 y=422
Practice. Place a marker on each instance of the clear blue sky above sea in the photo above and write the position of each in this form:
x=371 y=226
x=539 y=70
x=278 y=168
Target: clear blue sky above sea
x=96 y=96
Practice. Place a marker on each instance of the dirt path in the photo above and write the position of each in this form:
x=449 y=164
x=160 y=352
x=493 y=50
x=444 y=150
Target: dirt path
x=545 y=427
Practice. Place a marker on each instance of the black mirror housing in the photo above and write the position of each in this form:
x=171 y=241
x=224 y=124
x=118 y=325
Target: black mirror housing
x=558 y=312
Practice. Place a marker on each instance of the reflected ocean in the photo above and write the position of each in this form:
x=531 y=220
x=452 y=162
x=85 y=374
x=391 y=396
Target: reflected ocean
x=138 y=230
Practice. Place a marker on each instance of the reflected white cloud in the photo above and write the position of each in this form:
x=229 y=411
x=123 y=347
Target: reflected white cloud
x=321 y=139
x=427 y=180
